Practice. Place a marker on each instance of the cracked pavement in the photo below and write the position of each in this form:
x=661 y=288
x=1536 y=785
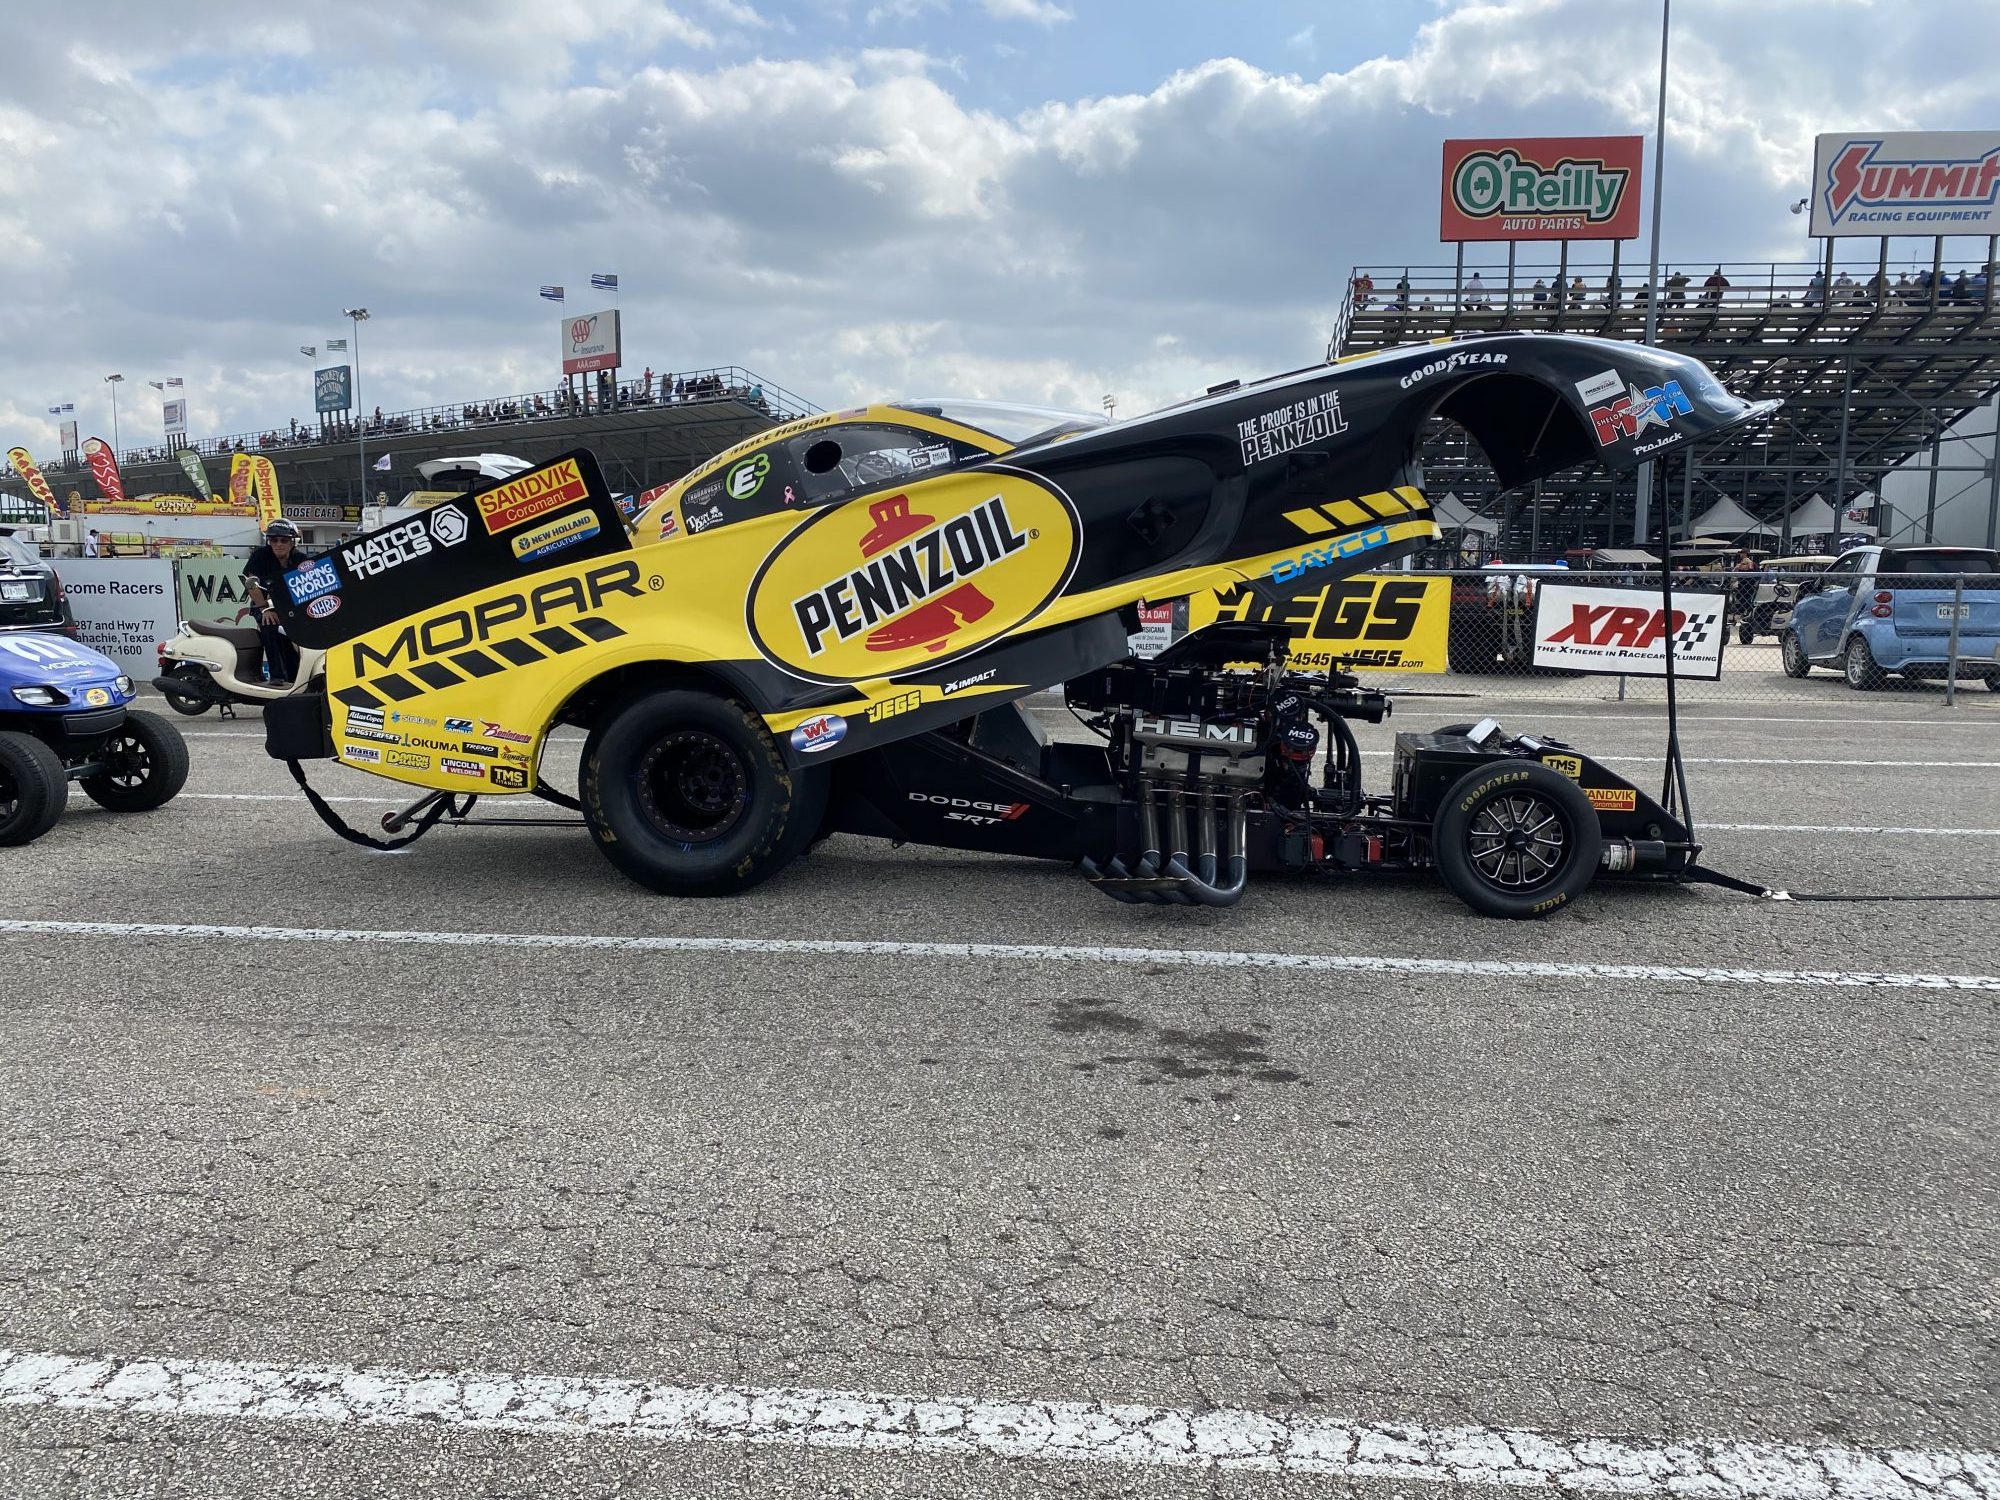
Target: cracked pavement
x=1680 y=1212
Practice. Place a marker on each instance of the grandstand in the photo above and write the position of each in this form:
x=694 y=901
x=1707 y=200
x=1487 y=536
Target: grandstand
x=641 y=438
x=1874 y=361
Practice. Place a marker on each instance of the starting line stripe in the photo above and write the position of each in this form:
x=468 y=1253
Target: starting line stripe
x=1194 y=958
x=574 y=1406
x=1960 y=833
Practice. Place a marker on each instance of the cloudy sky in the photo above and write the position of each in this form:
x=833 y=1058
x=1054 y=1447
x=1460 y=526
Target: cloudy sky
x=1038 y=199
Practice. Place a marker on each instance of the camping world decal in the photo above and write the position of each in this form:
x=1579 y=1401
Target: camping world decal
x=913 y=579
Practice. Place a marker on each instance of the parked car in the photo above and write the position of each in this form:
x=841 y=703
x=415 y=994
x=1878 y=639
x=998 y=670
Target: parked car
x=31 y=594
x=1878 y=610
x=1777 y=592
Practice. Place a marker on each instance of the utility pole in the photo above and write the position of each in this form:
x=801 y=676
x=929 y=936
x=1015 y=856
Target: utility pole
x=356 y=316
x=1642 y=500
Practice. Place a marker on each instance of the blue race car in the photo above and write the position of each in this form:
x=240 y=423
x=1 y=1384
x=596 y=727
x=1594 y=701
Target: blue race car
x=64 y=717
x=1879 y=610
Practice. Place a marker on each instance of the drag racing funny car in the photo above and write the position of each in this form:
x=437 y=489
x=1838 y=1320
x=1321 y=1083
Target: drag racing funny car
x=830 y=628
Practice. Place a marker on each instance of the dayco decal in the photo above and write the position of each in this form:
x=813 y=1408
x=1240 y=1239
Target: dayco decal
x=563 y=531
x=519 y=501
x=1285 y=570
x=455 y=629
x=1451 y=362
x=912 y=580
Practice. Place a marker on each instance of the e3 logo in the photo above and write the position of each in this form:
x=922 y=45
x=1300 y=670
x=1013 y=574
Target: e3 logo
x=747 y=477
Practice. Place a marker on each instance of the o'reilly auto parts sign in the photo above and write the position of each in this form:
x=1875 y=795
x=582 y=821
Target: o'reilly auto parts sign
x=590 y=342
x=1623 y=632
x=1907 y=182
x=1570 y=187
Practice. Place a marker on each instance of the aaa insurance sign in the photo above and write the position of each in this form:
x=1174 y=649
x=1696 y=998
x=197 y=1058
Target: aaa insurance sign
x=1581 y=187
x=1907 y=182
x=590 y=342
x=1623 y=632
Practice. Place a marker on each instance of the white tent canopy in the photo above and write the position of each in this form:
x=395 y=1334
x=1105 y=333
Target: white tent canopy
x=1813 y=517
x=1452 y=514
x=1725 y=518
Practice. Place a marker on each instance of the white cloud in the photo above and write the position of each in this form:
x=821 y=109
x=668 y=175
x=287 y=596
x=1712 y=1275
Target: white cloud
x=1041 y=12
x=200 y=193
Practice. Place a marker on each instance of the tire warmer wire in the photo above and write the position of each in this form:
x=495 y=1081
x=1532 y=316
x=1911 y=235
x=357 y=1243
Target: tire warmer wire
x=1675 y=778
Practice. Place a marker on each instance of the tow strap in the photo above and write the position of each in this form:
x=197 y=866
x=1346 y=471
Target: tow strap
x=428 y=820
x=1702 y=875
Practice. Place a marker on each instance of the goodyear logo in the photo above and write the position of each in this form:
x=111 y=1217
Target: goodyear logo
x=914 y=579
x=563 y=531
x=531 y=496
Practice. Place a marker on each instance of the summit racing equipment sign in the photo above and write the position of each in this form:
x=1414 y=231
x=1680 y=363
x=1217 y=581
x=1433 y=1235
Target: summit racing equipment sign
x=1623 y=632
x=1545 y=188
x=1907 y=182
x=912 y=580
x=1371 y=623
x=459 y=546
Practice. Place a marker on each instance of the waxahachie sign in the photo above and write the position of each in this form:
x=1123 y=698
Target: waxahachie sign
x=1545 y=188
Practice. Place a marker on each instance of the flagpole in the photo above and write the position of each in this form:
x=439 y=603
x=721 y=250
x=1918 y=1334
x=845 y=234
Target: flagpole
x=356 y=316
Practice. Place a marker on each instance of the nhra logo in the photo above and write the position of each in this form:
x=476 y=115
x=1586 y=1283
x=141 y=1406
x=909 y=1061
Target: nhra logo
x=1859 y=189
x=1636 y=410
x=942 y=570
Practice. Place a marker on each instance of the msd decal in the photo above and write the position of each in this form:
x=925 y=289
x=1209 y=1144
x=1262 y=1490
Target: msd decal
x=1636 y=410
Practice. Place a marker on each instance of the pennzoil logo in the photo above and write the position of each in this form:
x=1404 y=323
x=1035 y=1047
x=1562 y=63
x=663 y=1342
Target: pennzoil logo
x=534 y=494
x=882 y=587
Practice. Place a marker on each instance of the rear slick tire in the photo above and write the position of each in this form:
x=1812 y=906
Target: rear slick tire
x=687 y=794
x=1517 y=839
x=34 y=788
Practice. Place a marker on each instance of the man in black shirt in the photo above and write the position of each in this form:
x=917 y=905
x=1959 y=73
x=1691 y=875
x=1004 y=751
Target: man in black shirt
x=266 y=567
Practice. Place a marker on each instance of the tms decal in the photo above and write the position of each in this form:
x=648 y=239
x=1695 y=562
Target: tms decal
x=509 y=778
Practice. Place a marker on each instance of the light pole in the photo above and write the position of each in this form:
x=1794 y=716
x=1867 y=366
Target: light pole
x=1643 y=499
x=356 y=316
x=114 y=382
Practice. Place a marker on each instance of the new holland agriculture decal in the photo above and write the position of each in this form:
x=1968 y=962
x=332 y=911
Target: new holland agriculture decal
x=912 y=580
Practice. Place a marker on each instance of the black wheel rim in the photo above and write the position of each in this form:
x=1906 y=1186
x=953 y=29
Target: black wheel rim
x=127 y=762
x=1518 y=842
x=694 y=787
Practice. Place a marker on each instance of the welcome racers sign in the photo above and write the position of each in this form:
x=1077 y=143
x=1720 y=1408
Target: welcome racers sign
x=1623 y=632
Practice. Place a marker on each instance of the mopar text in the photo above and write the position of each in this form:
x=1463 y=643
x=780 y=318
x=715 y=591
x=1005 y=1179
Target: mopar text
x=454 y=629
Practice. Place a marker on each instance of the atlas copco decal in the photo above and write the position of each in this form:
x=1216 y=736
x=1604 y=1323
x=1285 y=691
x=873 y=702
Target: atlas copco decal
x=914 y=588
x=1861 y=188
x=1636 y=410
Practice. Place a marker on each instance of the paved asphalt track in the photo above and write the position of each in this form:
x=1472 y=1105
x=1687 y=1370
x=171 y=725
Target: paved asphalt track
x=1018 y=1188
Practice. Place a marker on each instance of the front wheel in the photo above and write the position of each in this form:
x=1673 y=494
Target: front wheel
x=1516 y=839
x=1857 y=665
x=1793 y=650
x=186 y=703
x=145 y=766
x=1746 y=632
x=34 y=789
x=687 y=794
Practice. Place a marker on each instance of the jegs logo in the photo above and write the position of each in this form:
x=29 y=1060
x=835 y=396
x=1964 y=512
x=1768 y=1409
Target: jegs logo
x=912 y=580
x=1636 y=410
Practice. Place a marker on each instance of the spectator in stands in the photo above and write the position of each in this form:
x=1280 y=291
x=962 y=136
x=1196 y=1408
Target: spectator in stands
x=1903 y=288
x=1611 y=297
x=1403 y=291
x=1816 y=289
x=1713 y=288
x=1475 y=294
x=1541 y=294
x=1843 y=288
x=1364 y=287
x=90 y=543
x=1961 y=289
x=1677 y=285
x=1576 y=292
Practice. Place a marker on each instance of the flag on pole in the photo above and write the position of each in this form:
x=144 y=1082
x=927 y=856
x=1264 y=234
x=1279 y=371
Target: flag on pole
x=333 y=344
x=68 y=407
x=604 y=281
x=55 y=411
x=158 y=385
x=175 y=383
x=310 y=351
x=382 y=464
x=552 y=293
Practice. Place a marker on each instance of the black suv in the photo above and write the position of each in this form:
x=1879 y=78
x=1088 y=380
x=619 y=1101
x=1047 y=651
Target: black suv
x=31 y=595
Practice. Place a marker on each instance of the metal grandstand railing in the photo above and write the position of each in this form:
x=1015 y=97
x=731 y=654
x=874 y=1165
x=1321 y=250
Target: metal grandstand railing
x=697 y=387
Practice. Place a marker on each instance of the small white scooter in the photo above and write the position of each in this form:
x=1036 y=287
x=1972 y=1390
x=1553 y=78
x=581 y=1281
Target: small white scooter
x=208 y=665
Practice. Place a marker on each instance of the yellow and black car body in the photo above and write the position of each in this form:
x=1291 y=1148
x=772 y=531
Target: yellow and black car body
x=830 y=626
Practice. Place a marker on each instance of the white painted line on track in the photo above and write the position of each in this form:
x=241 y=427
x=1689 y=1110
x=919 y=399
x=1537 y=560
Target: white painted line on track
x=572 y=1406
x=1959 y=833
x=1194 y=958
x=1735 y=760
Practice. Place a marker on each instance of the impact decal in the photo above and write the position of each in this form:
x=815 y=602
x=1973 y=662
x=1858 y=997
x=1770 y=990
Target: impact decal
x=1291 y=426
x=531 y=496
x=914 y=579
x=821 y=732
